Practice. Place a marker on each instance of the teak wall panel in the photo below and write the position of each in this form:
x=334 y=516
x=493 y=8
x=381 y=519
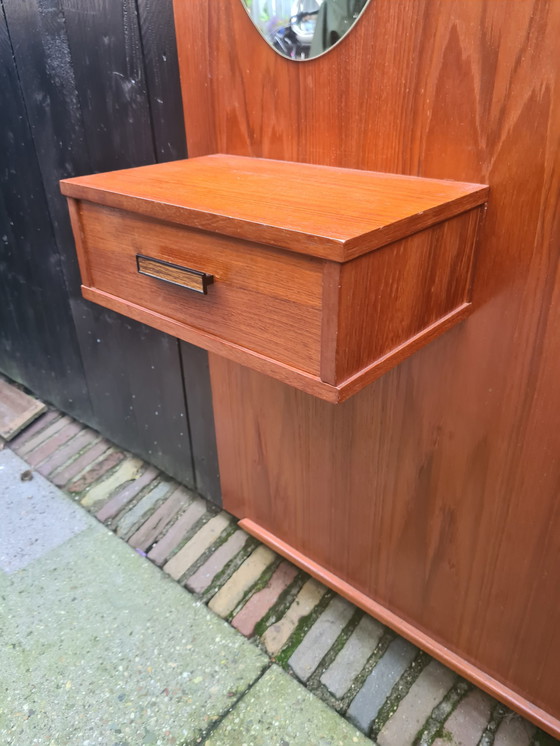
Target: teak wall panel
x=454 y=455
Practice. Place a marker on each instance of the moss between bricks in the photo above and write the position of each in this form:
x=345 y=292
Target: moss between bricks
x=498 y=714
x=222 y=538
x=166 y=527
x=257 y=586
x=399 y=691
x=301 y=629
x=227 y=571
x=282 y=604
x=202 y=521
x=314 y=682
x=113 y=523
x=445 y=735
x=386 y=638
x=434 y=726
x=75 y=457
x=77 y=496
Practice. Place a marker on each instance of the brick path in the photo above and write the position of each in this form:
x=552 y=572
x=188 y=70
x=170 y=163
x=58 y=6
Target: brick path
x=390 y=690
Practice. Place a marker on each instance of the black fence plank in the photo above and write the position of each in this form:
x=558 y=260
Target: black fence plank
x=106 y=51
x=131 y=364
x=46 y=75
x=39 y=345
x=201 y=418
x=164 y=93
x=91 y=85
x=157 y=30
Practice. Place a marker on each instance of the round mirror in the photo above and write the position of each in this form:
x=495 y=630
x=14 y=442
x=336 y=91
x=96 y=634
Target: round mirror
x=302 y=29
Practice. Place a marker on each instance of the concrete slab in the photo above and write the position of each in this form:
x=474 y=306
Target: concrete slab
x=97 y=646
x=35 y=517
x=279 y=711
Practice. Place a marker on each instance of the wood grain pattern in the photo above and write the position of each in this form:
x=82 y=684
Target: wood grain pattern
x=17 y=410
x=389 y=296
x=433 y=491
x=331 y=213
x=212 y=343
x=263 y=299
x=334 y=323
x=187 y=278
x=408 y=630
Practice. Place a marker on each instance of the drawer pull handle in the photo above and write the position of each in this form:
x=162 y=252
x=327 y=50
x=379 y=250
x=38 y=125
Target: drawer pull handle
x=191 y=279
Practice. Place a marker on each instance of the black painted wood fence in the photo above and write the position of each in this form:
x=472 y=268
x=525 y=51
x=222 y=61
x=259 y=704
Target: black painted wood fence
x=87 y=86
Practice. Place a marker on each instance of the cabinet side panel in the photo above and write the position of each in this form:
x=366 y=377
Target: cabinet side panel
x=390 y=295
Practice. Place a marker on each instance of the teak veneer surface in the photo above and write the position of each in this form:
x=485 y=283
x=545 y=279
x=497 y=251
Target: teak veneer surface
x=250 y=304
x=331 y=213
x=435 y=489
x=289 y=309
x=388 y=297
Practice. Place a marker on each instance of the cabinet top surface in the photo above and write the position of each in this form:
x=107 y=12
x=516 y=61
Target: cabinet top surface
x=333 y=213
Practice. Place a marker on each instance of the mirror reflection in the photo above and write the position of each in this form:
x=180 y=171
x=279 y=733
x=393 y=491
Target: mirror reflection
x=302 y=29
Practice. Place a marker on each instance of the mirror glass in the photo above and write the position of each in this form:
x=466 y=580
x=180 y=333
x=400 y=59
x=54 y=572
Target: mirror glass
x=302 y=29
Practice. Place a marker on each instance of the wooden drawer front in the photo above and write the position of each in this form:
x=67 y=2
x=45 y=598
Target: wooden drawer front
x=263 y=299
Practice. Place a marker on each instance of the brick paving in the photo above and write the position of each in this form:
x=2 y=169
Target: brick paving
x=467 y=722
x=391 y=667
x=320 y=638
x=165 y=545
x=237 y=587
x=86 y=459
x=340 y=675
x=181 y=562
x=278 y=634
x=396 y=694
x=262 y=601
x=416 y=706
x=125 y=494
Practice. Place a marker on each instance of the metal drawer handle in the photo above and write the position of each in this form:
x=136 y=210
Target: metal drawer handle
x=191 y=279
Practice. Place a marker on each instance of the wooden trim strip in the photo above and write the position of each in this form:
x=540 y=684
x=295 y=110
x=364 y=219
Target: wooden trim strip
x=76 y=223
x=417 y=636
x=324 y=247
x=413 y=224
x=329 y=321
x=379 y=367
x=281 y=371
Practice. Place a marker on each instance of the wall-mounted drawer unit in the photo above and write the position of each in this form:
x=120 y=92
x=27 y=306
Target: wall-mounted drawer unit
x=322 y=277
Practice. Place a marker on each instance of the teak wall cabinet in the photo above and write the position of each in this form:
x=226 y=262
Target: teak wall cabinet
x=430 y=496
x=324 y=278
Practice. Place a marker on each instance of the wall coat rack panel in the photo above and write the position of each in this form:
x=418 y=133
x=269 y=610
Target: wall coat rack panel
x=419 y=480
